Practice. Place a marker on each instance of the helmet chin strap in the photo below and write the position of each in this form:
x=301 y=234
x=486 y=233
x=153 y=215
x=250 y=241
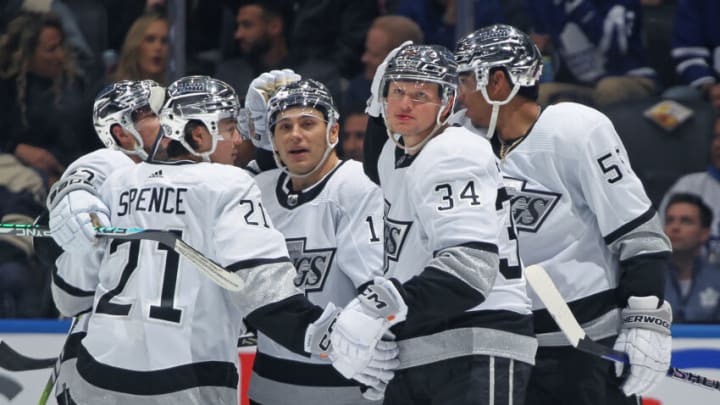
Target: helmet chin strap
x=155 y=147
x=138 y=149
x=496 y=107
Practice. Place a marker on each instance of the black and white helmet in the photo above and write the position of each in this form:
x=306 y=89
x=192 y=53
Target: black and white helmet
x=499 y=46
x=310 y=94
x=115 y=105
x=200 y=98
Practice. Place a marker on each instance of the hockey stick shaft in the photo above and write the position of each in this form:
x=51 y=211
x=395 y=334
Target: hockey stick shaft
x=548 y=293
x=222 y=277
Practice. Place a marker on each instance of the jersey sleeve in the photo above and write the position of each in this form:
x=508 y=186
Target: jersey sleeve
x=375 y=138
x=97 y=166
x=628 y=222
x=455 y=196
x=360 y=233
x=74 y=280
x=247 y=243
x=689 y=46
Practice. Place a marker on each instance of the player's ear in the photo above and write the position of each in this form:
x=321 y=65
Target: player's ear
x=124 y=140
x=334 y=132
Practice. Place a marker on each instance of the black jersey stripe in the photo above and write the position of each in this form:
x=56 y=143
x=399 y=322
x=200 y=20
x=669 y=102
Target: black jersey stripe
x=585 y=310
x=484 y=246
x=298 y=373
x=247 y=264
x=616 y=234
x=156 y=382
x=69 y=288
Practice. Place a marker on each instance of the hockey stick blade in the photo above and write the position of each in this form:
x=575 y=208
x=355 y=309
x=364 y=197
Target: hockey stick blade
x=548 y=293
x=11 y=360
x=219 y=275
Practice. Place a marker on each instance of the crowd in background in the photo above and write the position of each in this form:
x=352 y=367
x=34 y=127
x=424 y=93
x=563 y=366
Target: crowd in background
x=616 y=55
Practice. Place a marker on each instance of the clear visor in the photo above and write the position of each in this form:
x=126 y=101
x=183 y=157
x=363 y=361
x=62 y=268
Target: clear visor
x=416 y=92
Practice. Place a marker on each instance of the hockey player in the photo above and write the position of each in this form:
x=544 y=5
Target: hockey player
x=125 y=120
x=582 y=214
x=449 y=243
x=160 y=331
x=330 y=214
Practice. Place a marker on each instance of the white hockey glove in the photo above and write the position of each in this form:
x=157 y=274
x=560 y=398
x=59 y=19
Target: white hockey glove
x=71 y=202
x=373 y=107
x=645 y=337
x=357 y=349
x=383 y=357
x=258 y=94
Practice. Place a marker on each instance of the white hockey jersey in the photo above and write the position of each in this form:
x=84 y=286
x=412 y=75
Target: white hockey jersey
x=73 y=299
x=160 y=330
x=333 y=232
x=579 y=209
x=446 y=224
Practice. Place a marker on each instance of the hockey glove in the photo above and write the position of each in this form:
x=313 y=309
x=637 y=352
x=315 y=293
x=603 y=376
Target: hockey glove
x=359 y=328
x=374 y=103
x=71 y=202
x=383 y=356
x=258 y=94
x=645 y=337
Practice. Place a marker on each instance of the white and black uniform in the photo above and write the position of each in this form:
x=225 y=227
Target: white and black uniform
x=77 y=299
x=333 y=232
x=161 y=332
x=447 y=232
x=582 y=213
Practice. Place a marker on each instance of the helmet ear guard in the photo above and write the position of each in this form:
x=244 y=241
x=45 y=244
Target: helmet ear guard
x=200 y=98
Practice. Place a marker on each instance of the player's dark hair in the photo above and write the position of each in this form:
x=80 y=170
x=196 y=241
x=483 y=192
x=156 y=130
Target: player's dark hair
x=706 y=215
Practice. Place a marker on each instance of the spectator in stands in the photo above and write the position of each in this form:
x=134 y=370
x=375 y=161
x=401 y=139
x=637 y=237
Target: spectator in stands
x=352 y=136
x=332 y=30
x=436 y=18
x=261 y=35
x=693 y=285
x=707 y=185
x=22 y=198
x=599 y=48
x=45 y=119
x=145 y=50
x=385 y=34
x=696 y=51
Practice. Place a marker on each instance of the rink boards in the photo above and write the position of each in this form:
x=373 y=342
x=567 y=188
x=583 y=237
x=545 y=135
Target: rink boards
x=695 y=347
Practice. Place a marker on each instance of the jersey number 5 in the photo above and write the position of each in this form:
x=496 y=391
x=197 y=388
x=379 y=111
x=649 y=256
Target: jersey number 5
x=166 y=310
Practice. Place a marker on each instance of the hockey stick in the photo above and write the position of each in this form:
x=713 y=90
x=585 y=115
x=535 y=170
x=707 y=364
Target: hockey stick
x=224 y=278
x=12 y=360
x=545 y=289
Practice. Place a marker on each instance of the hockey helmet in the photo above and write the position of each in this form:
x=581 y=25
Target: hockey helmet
x=201 y=98
x=115 y=105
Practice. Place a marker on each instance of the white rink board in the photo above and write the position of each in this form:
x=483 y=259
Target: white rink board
x=692 y=345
